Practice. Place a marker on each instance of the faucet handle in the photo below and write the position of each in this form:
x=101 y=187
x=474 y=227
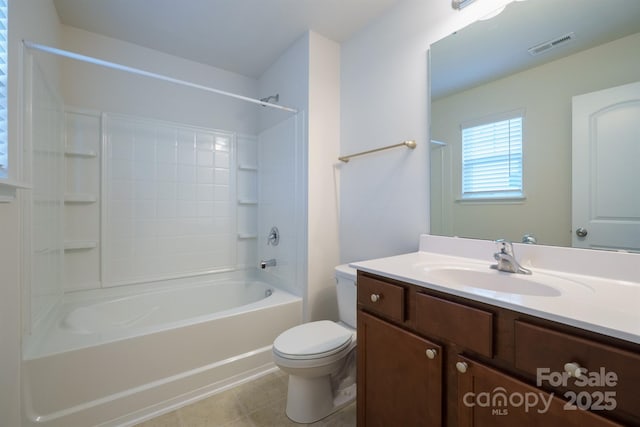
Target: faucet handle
x=274 y=236
x=504 y=246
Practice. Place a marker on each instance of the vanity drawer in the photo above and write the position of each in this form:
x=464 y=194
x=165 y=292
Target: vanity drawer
x=382 y=298
x=466 y=326
x=539 y=347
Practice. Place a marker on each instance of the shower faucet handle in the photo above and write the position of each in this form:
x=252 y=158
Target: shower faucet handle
x=274 y=236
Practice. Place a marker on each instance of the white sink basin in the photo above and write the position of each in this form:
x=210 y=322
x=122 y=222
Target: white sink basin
x=537 y=284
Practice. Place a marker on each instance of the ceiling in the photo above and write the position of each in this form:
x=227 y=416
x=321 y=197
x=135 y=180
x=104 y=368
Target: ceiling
x=243 y=36
x=497 y=47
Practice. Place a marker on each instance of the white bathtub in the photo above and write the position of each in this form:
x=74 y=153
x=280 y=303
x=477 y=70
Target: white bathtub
x=116 y=356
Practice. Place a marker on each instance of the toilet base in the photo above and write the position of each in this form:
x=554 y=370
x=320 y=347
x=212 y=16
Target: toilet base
x=311 y=399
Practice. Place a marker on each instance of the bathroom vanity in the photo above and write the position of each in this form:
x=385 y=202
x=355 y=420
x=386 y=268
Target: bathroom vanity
x=430 y=354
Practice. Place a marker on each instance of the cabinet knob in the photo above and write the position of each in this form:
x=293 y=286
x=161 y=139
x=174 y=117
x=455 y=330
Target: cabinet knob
x=461 y=367
x=431 y=353
x=574 y=369
x=375 y=297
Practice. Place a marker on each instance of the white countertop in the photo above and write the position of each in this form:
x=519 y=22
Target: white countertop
x=607 y=306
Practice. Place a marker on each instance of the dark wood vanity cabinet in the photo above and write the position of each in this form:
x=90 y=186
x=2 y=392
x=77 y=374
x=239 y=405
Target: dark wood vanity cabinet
x=401 y=388
x=427 y=358
x=492 y=398
x=399 y=373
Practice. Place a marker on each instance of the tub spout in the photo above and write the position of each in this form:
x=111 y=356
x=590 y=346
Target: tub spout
x=267 y=263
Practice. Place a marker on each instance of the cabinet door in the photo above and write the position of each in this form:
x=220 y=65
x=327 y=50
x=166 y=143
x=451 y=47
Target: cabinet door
x=487 y=397
x=399 y=376
x=537 y=347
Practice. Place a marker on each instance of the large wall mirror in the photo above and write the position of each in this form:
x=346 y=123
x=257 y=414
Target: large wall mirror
x=544 y=57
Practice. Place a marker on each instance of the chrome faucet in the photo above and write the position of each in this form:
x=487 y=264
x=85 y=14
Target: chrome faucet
x=267 y=263
x=506 y=259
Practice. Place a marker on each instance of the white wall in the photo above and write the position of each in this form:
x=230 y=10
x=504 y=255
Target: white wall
x=384 y=199
x=176 y=210
x=282 y=167
x=323 y=186
x=31 y=20
x=288 y=77
x=546 y=142
x=306 y=77
x=116 y=91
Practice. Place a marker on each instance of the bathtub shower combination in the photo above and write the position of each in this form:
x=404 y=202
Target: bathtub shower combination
x=142 y=290
x=157 y=344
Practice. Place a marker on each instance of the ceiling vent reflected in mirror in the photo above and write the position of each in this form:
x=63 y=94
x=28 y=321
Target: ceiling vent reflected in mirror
x=548 y=45
x=460 y=4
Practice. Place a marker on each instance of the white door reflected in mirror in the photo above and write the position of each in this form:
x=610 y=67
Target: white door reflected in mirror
x=606 y=150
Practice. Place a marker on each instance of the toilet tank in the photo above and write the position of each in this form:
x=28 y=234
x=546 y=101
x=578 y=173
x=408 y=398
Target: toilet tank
x=346 y=291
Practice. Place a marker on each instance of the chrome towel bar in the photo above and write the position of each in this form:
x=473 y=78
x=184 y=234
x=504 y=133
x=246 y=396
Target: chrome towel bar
x=409 y=144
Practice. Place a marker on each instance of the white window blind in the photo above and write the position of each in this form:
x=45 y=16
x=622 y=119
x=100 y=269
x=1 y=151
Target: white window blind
x=4 y=144
x=492 y=159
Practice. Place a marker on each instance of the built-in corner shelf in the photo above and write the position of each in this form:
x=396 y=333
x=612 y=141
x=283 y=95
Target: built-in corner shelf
x=70 y=152
x=8 y=189
x=246 y=167
x=247 y=236
x=80 y=198
x=247 y=201
x=76 y=245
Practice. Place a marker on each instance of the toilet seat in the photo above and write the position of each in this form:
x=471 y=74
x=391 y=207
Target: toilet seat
x=314 y=340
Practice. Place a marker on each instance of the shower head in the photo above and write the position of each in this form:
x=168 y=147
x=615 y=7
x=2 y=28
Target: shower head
x=271 y=98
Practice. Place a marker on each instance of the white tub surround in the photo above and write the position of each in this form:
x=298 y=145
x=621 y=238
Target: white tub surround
x=146 y=183
x=119 y=356
x=593 y=290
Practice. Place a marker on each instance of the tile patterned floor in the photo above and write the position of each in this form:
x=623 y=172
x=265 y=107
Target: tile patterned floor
x=260 y=403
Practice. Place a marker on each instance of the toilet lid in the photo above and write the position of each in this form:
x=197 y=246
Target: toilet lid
x=314 y=339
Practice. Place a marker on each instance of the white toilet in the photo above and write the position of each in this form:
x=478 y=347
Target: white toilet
x=320 y=358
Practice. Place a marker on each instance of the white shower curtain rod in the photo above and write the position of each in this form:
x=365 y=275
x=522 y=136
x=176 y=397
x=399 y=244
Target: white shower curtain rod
x=113 y=65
